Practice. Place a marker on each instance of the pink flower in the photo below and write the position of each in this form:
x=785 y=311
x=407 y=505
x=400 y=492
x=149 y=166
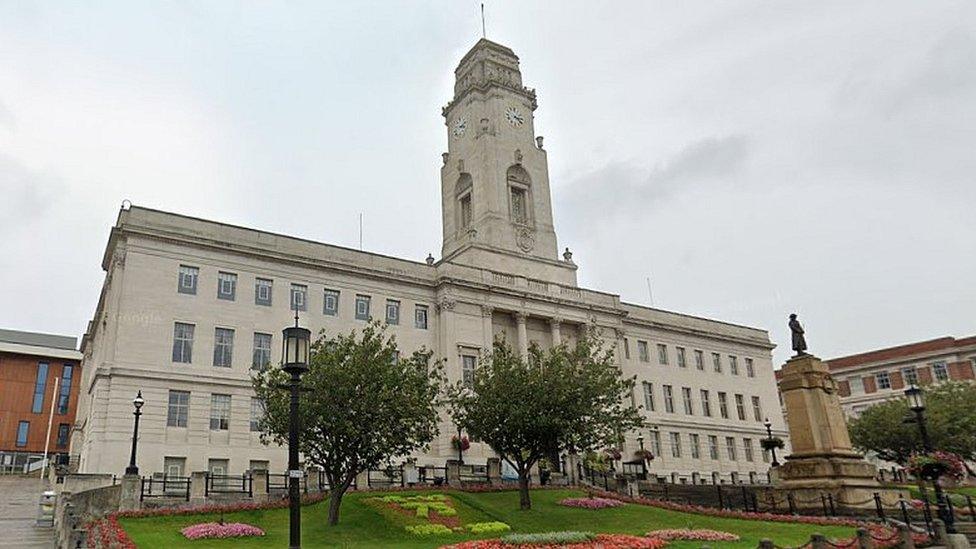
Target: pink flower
x=602 y=541
x=693 y=535
x=591 y=503
x=217 y=530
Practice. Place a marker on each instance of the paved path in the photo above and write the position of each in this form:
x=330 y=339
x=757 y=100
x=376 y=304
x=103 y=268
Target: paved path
x=18 y=512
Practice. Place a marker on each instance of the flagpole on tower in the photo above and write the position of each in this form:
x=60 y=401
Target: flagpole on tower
x=483 y=33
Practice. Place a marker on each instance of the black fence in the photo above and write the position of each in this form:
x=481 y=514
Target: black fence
x=229 y=484
x=278 y=482
x=434 y=476
x=165 y=486
x=473 y=474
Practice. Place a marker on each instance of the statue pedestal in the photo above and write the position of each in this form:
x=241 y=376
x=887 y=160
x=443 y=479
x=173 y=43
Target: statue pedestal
x=823 y=460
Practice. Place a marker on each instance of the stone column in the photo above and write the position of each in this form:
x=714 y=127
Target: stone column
x=494 y=471
x=259 y=487
x=487 y=329
x=131 y=487
x=453 y=473
x=198 y=487
x=362 y=481
x=554 y=325
x=523 y=336
x=572 y=469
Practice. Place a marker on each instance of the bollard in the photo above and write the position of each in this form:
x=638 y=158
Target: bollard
x=818 y=541
x=766 y=543
x=907 y=542
x=864 y=540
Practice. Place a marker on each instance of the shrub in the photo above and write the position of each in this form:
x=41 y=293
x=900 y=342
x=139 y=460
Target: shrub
x=591 y=503
x=488 y=527
x=428 y=529
x=548 y=538
x=692 y=535
x=207 y=530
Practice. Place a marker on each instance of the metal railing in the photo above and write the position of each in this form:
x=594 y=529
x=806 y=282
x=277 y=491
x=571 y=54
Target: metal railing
x=473 y=473
x=229 y=484
x=279 y=482
x=164 y=486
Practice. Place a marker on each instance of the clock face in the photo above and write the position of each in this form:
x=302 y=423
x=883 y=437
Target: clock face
x=514 y=116
x=460 y=125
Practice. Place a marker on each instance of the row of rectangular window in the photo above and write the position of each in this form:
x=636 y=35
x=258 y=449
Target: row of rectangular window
x=643 y=355
x=940 y=371
x=40 y=387
x=178 y=412
x=23 y=433
x=298 y=297
x=695 y=446
x=223 y=353
x=650 y=403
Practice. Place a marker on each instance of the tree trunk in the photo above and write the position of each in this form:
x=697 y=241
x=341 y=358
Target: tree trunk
x=335 y=500
x=524 y=502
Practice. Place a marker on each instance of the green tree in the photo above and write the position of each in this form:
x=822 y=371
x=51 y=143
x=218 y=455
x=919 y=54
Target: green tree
x=950 y=412
x=361 y=407
x=561 y=399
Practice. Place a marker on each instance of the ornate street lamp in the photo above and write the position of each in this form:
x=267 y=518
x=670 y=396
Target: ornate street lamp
x=769 y=436
x=294 y=358
x=640 y=442
x=916 y=403
x=460 y=447
x=137 y=402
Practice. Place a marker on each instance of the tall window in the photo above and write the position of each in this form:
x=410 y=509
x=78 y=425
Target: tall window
x=686 y=397
x=179 y=408
x=188 y=280
x=626 y=348
x=299 y=297
x=747 y=448
x=23 y=429
x=740 y=407
x=261 y=356
x=706 y=400
x=257 y=412
x=717 y=362
x=64 y=430
x=40 y=384
x=468 y=365
x=64 y=397
x=219 y=412
x=466 y=211
x=676 y=445
x=656 y=443
x=750 y=368
x=681 y=357
x=695 y=440
x=362 y=307
x=223 y=347
x=642 y=354
x=734 y=365
x=699 y=360
x=723 y=405
x=330 y=303
x=519 y=205
x=662 y=353
x=668 y=399
x=757 y=409
x=226 y=286
x=392 y=312
x=884 y=380
x=648 y=396
x=262 y=292
x=940 y=370
x=713 y=446
x=420 y=317
x=730 y=448
x=182 y=342
x=910 y=374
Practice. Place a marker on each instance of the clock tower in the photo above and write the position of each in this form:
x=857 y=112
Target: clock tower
x=496 y=205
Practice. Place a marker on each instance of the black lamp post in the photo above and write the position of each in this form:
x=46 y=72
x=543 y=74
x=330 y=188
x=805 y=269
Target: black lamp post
x=460 y=445
x=769 y=436
x=640 y=442
x=917 y=404
x=132 y=469
x=294 y=358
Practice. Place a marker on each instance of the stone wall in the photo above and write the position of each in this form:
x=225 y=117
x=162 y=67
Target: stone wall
x=73 y=510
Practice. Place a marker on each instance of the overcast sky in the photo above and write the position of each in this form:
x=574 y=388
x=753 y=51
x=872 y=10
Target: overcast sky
x=751 y=158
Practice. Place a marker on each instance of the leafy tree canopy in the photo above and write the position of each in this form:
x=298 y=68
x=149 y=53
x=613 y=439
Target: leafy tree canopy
x=568 y=398
x=362 y=405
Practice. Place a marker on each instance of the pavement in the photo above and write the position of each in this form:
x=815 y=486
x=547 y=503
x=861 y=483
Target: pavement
x=18 y=513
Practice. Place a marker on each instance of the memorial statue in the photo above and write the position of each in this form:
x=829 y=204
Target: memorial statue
x=799 y=343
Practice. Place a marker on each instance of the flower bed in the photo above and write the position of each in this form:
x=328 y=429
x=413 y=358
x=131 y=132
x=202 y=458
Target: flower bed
x=207 y=530
x=692 y=535
x=600 y=541
x=591 y=503
x=548 y=538
x=488 y=527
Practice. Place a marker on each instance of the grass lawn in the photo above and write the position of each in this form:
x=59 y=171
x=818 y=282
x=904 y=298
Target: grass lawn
x=363 y=525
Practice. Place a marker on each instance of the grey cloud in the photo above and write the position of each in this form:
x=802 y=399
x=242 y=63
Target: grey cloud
x=27 y=194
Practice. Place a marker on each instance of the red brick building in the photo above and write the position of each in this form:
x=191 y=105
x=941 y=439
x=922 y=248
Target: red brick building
x=40 y=375
x=867 y=378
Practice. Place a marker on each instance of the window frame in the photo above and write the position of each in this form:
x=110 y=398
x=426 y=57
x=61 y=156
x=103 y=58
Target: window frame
x=294 y=302
x=392 y=305
x=23 y=434
x=64 y=390
x=879 y=376
x=328 y=295
x=943 y=367
x=469 y=367
x=662 y=354
x=263 y=352
x=668 y=391
x=255 y=421
x=192 y=274
x=63 y=436
x=177 y=411
x=757 y=408
x=717 y=362
x=643 y=351
x=261 y=284
x=723 y=404
x=699 y=360
x=185 y=343
x=40 y=387
x=733 y=365
x=687 y=400
x=363 y=299
x=706 y=402
x=223 y=349
x=417 y=310
x=750 y=367
x=740 y=406
x=218 y=404
x=224 y=277
x=649 y=403
x=682 y=360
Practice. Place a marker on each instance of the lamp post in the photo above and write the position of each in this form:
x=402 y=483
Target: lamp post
x=137 y=402
x=460 y=445
x=294 y=356
x=769 y=436
x=640 y=442
x=916 y=403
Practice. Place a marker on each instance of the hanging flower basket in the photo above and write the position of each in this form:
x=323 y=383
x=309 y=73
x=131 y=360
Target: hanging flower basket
x=645 y=455
x=462 y=443
x=774 y=443
x=613 y=454
x=937 y=465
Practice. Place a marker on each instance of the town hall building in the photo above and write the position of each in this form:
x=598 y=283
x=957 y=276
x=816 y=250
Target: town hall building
x=190 y=308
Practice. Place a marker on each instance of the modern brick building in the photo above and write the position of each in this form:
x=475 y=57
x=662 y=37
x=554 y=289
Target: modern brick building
x=39 y=376
x=867 y=378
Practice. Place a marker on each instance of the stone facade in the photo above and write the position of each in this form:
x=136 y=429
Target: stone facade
x=183 y=294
